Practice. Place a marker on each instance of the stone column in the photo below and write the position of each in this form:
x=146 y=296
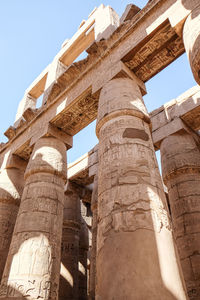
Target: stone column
x=181 y=173
x=191 y=38
x=11 y=188
x=94 y=201
x=83 y=255
x=33 y=264
x=135 y=250
x=68 y=288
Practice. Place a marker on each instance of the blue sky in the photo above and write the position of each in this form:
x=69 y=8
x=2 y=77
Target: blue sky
x=31 y=33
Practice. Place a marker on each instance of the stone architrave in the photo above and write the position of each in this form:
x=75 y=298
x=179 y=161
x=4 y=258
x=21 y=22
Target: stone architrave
x=68 y=287
x=191 y=38
x=136 y=258
x=180 y=158
x=33 y=265
x=83 y=256
x=94 y=205
x=11 y=188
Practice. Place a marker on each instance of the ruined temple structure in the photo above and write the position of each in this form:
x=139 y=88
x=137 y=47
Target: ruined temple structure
x=104 y=227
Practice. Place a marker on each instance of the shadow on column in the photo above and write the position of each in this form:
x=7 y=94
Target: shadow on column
x=11 y=188
x=136 y=257
x=31 y=271
x=83 y=258
x=191 y=37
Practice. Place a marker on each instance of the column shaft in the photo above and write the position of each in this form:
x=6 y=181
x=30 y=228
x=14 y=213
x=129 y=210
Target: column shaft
x=83 y=257
x=135 y=251
x=33 y=264
x=191 y=38
x=181 y=172
x=11 y=187
x=94 y=201
x=68 y=288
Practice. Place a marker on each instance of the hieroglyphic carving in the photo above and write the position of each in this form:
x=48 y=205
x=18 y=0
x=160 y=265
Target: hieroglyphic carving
x=33 y=288
x=180 y=158
x=132 y=207
x=159 y=50
x=33 y=263
x=32 y=259
x=82 y=114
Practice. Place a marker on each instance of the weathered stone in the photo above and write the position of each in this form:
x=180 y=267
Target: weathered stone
x=134 y=233
x=130 y=11
x=180 y=157
x=27 y=102
x=94 y=207
x=83 y=257
x=11 y=188
x=33 y=264
x=10 y=132
x=191 y=37
x=69 y=285
x=29 y=114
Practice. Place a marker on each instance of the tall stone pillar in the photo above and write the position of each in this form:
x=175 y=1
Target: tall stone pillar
x=94 y=204
x=68 y=288
x=181 y=173
x=135 y=250
x=11 y=188
x=83 y=256
x=33 y=265
x=191 y=38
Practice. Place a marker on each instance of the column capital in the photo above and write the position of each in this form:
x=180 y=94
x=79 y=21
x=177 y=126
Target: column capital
x=51 y=130
x=179 y=155
x=175 y=126
x=48 y=157
x=120 y=97
x=118 y=70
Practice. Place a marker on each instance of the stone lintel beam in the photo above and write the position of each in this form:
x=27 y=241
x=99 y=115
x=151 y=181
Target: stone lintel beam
x=172 y=116
x=130 y=11
x=147 y=16
x=36 y=88
x=130 y=36
x=10 y=132
x=118 y=70
x=2 y=145
x=11 y=160
x=170 y=128
x=83 y=169
x=14 y=161
x=51 y=130
x=55 y=70
x=26 y=102
x=29 y=114
x=174 y=126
